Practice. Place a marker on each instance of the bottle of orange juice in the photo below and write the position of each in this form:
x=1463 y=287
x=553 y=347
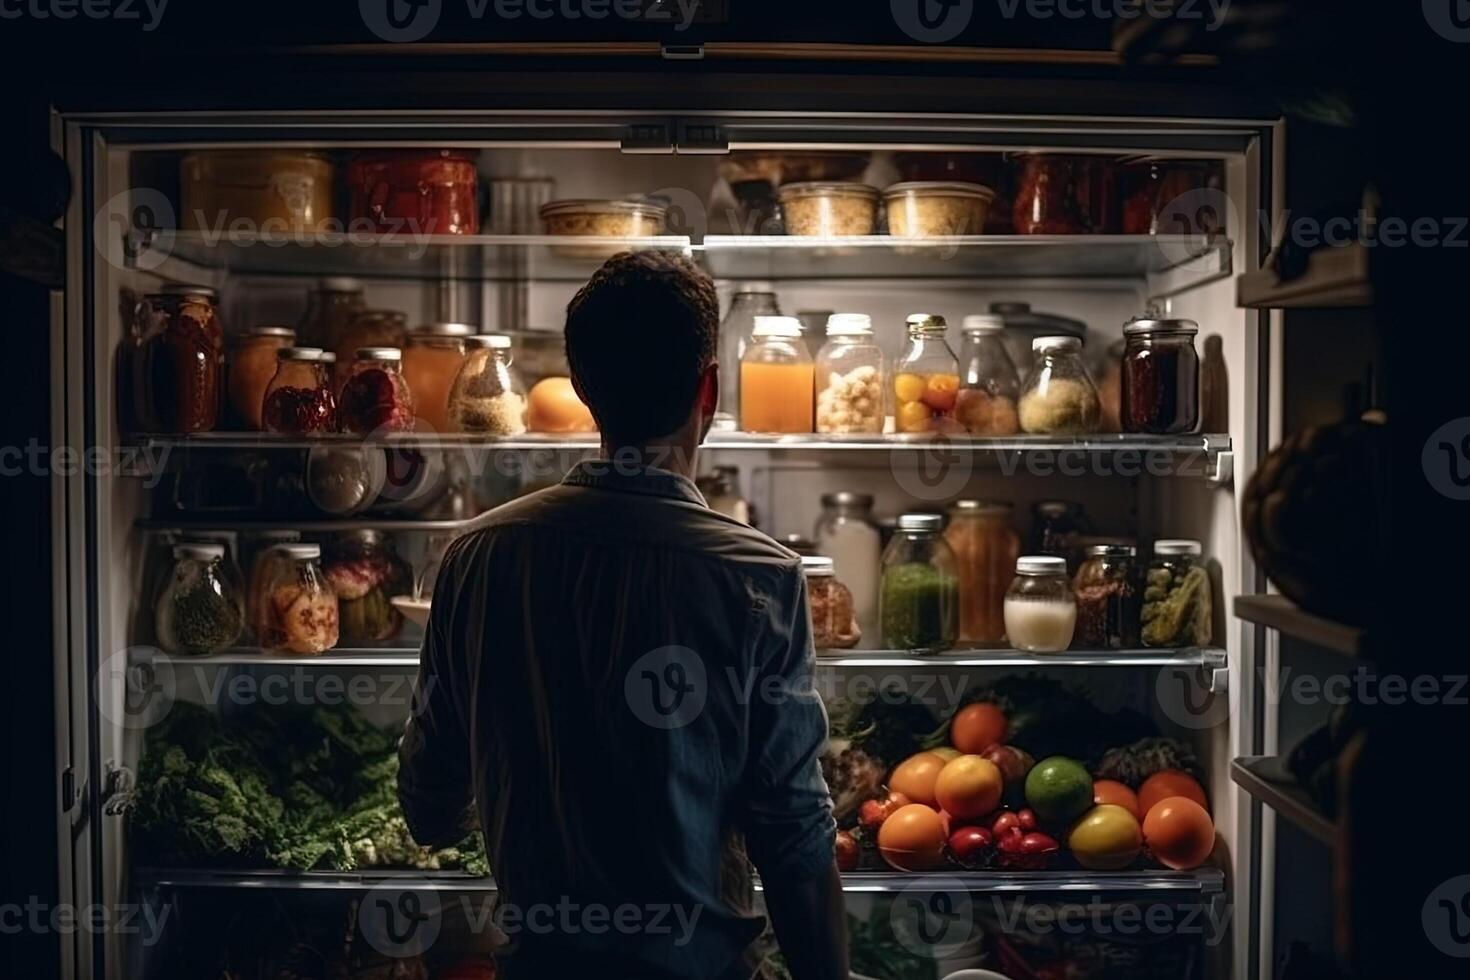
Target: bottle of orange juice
x=776 y=378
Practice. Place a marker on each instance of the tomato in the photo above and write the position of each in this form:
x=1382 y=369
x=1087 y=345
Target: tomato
x=1004 y=823
x=1170 y=782
x=913 y=838
x=971 y=846
x=915 y=776
x=1179 y=833
x=847 y=851
x=977 y=727
x=1026 y=817
x=873 y=812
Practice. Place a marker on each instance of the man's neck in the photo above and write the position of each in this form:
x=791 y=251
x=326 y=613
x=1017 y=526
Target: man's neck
x=672 y=454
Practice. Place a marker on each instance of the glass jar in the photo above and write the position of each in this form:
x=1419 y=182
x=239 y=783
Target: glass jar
x=799 y=543
x=919 y=595
x=833 y=625
x=375 y=397
x=847 y=534
x=301 y=608
x=1056 y=529
x=989 y=386
x=487 y=395
x=177 y=377
x=365 y=572
x=750 y=301
x=1106 y=587
x=415 y=192
x=985 y=546
x=368 y=328
x=276 y=191
x=926 y=380
x=1178 y=610
x=1040 y=611
x=251 y=365
x=1047 y=198
x=199 y=611
x=229 y=562
x=1059 y=398
x=330 y=307
x=1160 y=376
x=263 y=569
x=849 y=375
x=432 y=358
x=1150 y=186
x=776 y=378
x=299 y=399
x=721 y=491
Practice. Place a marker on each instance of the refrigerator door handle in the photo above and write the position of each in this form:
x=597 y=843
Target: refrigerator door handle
x=73 y=797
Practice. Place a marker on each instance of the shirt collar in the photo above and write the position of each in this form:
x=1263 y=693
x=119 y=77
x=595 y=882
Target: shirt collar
x=601 y=474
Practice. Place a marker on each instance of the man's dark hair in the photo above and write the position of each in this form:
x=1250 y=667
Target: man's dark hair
x=639 y=334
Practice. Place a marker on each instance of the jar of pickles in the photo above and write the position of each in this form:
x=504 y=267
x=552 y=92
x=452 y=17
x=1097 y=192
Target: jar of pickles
x=1178 y=610
x=918 y=601
x=262 y=571
x=776 y=378
x=1059 y=398
x=199 y=611
x=375 y=397
x=1106 y=588
x=487 y=395
x=849 y=376
x=300 y=609
x=986 y=547
x=432 y=357
x=989 y=386
x=365 y=572
x=177 y=355
x=834 y=627
x=250 y=366
x=1160 y=376
x=926 y=380
x=367 y=328
x=1040 y=611
x=299 y=399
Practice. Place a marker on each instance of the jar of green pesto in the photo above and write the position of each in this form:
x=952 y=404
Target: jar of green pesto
x=918 y=602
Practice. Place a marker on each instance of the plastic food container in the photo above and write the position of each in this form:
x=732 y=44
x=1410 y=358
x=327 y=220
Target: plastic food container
x=776 y=378
x=816 y=209
x=833 y=625
x=924 y=209
x=415 y=192
x=1040 y=611
x=601 y=219
x=275 y=191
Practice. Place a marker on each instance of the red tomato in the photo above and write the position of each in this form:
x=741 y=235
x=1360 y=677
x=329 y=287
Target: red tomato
x=977 y=727
x=847 y=851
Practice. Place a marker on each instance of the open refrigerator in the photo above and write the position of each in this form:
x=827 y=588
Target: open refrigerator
x=114 y=525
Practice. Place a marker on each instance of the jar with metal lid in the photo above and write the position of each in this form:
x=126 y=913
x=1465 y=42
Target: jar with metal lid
x=926 y=380
x=721 y=490
x=986 y=547
x=989 y=386
x=919 y=595
x=432 y=358
x=776 y=378
x=330 y=307
x=1059 y=398
x=751 y=300
x=299 y=399
x=301 y=608
x=262 y=570
x=365 y=572
x=833 y=625
x=177 y=358
x=849 y=377
x=375 y=397
x=367 y=328
x=199 y=611
x=1040 y=610
x=1160 y=376
x=251 y=364
x=487 y=395
x=847 y=533
x=1107 y=591
x=1178 y=608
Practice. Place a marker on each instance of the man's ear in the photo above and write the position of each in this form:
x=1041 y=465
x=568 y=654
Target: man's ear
x=709 y=390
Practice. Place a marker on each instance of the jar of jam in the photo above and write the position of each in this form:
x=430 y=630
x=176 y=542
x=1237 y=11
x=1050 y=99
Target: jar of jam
x=375 y=397
x=1048 y=200
x=367 y=328
x=1160 y=376
x=299 y=399
x=251 y=365
x=177 y=376
x=415 y=192
x=432 y=357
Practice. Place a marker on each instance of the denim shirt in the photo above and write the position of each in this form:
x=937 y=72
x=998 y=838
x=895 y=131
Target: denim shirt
x=619 y=678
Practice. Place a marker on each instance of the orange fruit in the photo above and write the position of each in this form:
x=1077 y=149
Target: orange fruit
x=976 y=727
x=915 y=776
x=908 y=387
x=969 y=787
x=1110 y=791
x=913 y=839
x=1170 y=782
x=912 y=417
x=1179 y=833
x=940 y=391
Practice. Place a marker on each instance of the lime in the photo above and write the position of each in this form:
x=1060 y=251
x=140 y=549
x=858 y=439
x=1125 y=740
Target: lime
x=1059 y=790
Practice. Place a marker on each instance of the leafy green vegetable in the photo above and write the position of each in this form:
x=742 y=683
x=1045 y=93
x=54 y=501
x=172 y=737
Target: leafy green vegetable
x=890 y=726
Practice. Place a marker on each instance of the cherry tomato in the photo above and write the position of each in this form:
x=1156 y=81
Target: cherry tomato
x=847 y=850
x=1027 y=819
x=1005 y=823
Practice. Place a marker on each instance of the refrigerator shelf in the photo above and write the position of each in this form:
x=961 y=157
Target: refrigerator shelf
x=1279 y=613
x=193 y=523
x=1255 y=775
x=255 y=656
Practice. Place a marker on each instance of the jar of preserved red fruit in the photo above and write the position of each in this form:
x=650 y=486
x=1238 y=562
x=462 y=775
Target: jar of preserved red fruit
x=375 y=397
x=1160 y=376
x=299 y=399
x=1048 y=197
x=416 y=192
x=178 y=359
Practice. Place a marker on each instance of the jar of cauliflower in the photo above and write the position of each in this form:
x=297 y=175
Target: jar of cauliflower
x=849 y=377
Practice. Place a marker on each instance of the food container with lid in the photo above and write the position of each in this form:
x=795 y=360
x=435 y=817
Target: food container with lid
x=847 y=533
x=250 y=365
x=433 y=354
x=919 y=593
x=989 y=386
x=927 y=209
x=415 y=192
x=299 y=399
x=1160 y=376
x=1107 y=594
x=818 y=209
x=834 y=626
x=1040 y=610
x=375 y=397
x=1178 y=608
x=199 y=610
x=849 y=377
x=776 y=378
x=985 y=546
x=926 y=379
x=174 y=360
x=488 y=395
x=275 y=191
x=299 y=607
x=1059 y=398
x=601 y=219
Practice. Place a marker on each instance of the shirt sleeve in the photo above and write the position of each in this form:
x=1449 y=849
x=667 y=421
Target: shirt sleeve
x=788 y=821
x=434 y=782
